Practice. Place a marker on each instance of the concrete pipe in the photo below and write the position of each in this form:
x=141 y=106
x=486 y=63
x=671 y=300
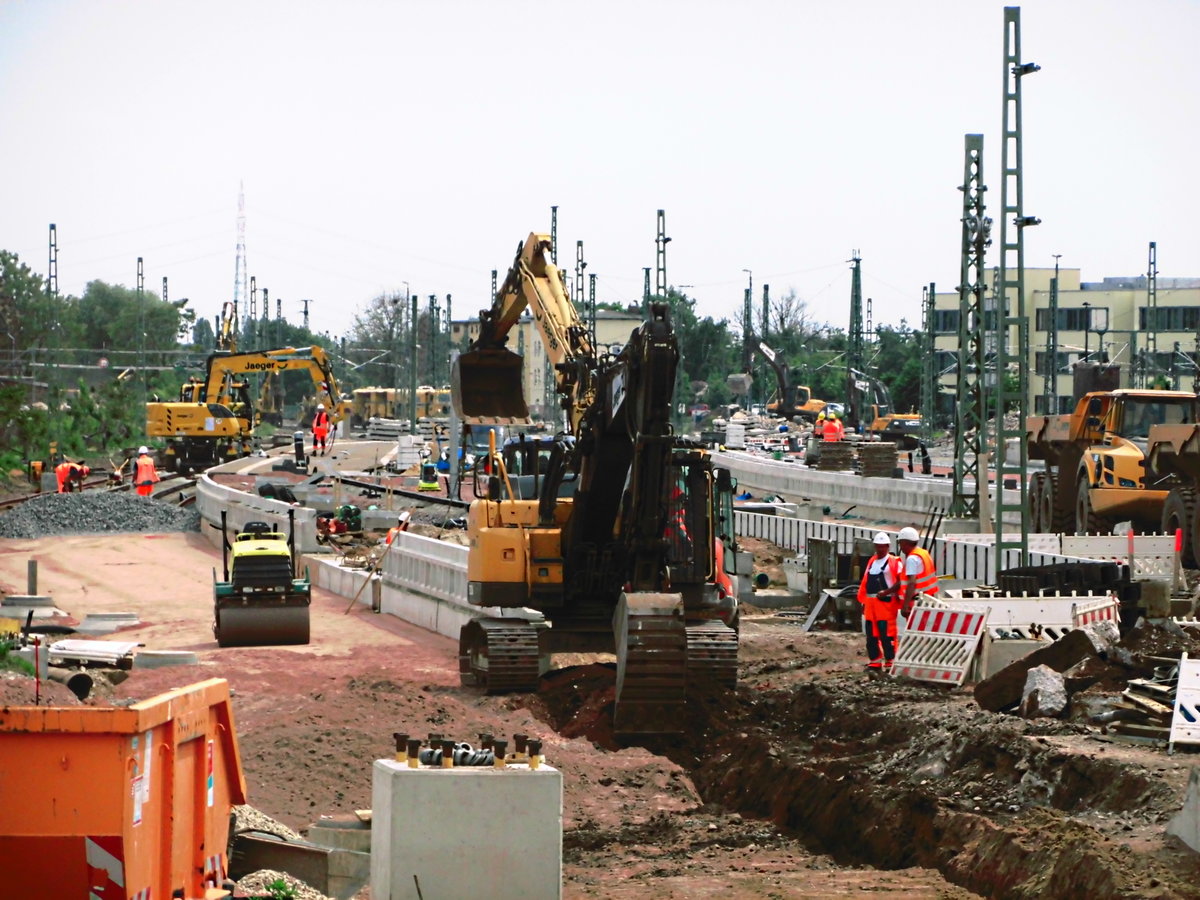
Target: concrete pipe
x=80 y=683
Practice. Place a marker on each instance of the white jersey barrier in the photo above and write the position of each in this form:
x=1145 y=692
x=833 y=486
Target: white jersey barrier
x=240 y=507
x=1046 y=614
x=939 y=642
x=1185 y=723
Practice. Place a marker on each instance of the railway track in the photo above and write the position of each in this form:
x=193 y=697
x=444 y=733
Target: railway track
x=174 y=488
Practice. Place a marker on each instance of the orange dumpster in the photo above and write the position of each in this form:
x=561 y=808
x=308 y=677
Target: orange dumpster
x=109 y=803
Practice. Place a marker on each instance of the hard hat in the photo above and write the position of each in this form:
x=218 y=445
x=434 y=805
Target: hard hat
x=820 y=415
x=320 y=406
x=883 y=538
x=143 y=449
x=908 y=533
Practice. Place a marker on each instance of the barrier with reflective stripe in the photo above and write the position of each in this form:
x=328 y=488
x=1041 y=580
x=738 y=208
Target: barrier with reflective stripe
x=939 y=643
x=1046 y=614
x=1185 y=723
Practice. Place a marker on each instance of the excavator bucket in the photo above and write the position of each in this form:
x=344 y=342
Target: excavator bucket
x=487 y=387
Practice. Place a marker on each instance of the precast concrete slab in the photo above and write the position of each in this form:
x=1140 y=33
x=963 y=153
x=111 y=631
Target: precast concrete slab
x=158 y=659
x=468 y=831
x=1186 y=823
x=107 y=622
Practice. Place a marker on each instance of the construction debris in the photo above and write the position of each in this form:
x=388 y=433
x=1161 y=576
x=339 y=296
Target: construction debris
x=1045 y=694
x=1005 y=689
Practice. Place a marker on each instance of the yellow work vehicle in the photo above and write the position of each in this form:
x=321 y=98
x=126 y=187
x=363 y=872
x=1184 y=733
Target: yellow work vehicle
x=197 y=431
x=1096 y=461
x=795 y=400
x=619 y=532
x=260 y=601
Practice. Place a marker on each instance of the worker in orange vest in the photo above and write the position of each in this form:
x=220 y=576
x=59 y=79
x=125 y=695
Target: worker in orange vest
x=834 y=430
x=920 y=574
x=320 y=429
x=879 y=594
x=401 y=525
x=819 y=427
x=70 y=476
x=145 y=472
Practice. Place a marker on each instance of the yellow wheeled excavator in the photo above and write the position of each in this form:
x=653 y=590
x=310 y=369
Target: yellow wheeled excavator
x=615 y=531
x=215 y=417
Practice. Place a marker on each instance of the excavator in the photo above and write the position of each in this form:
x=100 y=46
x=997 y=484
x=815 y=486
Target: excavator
x=215 y=417
x=618 y=532
x=795 y=400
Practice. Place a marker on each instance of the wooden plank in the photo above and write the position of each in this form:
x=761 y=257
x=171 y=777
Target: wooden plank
x=1150 y=706
x=1146 y=731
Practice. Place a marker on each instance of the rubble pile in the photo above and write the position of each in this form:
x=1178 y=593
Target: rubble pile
x=94 y=512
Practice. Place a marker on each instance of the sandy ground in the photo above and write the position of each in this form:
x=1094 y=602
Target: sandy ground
x=813 y=781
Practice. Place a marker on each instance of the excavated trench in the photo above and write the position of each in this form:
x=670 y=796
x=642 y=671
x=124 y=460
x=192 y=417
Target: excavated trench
x=893 y=774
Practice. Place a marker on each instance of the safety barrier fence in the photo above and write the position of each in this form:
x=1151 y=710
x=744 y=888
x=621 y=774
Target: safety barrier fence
x=967 y=557
x=1045 y=614
x=1185 y=722
x=939 y=642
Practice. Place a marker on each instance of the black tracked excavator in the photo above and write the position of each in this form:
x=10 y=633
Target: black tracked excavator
x=618 y=531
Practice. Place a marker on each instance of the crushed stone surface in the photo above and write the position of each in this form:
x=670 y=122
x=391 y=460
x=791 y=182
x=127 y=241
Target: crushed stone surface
x=94 y=512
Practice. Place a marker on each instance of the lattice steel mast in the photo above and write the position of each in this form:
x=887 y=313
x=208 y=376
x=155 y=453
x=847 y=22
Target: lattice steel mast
x=1011 y=298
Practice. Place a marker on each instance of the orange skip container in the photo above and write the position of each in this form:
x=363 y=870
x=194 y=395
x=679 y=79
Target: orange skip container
x=112 y=803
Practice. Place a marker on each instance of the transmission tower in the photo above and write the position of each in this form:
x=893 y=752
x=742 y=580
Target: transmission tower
x=854 y=342
x=580 y=266
x=970 y=434
x=1012 y=362
x=646 y=293
x=306 y=302
x=592 y=307
x=239 y=266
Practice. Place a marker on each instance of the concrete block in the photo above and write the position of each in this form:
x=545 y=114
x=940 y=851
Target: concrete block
x=998 y=654
x=1156 y=598
x=505 y=843
x=1045 y=694
x=339 y=835
x=1186 y=823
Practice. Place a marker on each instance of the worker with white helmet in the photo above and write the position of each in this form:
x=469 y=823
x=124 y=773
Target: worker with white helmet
x=320 y=430
x=879 y=595
x=920 y=575
x=145 y=472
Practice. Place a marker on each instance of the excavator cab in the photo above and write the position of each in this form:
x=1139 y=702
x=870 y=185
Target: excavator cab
x=489 y=385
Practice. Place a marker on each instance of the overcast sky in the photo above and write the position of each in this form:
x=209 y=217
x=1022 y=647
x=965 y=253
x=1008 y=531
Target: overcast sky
x=387 y=146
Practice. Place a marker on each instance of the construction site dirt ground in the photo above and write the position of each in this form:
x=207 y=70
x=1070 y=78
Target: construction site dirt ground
x=814 y=780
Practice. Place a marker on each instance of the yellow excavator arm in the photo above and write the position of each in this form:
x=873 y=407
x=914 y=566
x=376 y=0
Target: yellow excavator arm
x=225 y=369
x=487 y=382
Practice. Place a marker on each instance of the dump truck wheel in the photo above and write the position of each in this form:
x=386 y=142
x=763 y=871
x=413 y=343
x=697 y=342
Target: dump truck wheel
x=1037 y=491
x=1179 y=514
x=1087 y=521
x=1061 y=508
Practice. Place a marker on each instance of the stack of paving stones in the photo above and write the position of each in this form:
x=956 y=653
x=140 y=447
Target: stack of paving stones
x=94 y=512
x=836 y=456
x=876 y=459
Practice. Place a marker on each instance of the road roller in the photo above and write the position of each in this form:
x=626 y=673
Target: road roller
x=260 y=602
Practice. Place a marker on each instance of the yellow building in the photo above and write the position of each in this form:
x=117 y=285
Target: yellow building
x=1098 y=322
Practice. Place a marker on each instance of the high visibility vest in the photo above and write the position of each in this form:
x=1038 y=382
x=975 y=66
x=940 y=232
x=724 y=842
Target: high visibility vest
x=145 y=473
x=834 y=431
x=819 y=428
x=320 y=420
x=926 y=582
x=892 y=572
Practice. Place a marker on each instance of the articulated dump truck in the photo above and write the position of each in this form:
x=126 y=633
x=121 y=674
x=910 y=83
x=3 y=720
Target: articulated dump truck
x=1121 y=456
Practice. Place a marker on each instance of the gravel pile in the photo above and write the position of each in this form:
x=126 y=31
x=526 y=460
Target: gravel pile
x=247 y=818
x=258 y=884
x=92 y=512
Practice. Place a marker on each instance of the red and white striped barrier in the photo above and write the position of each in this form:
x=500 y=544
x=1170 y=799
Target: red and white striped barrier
x=1100 y=609
x=939 y=643
x=1185 y=723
